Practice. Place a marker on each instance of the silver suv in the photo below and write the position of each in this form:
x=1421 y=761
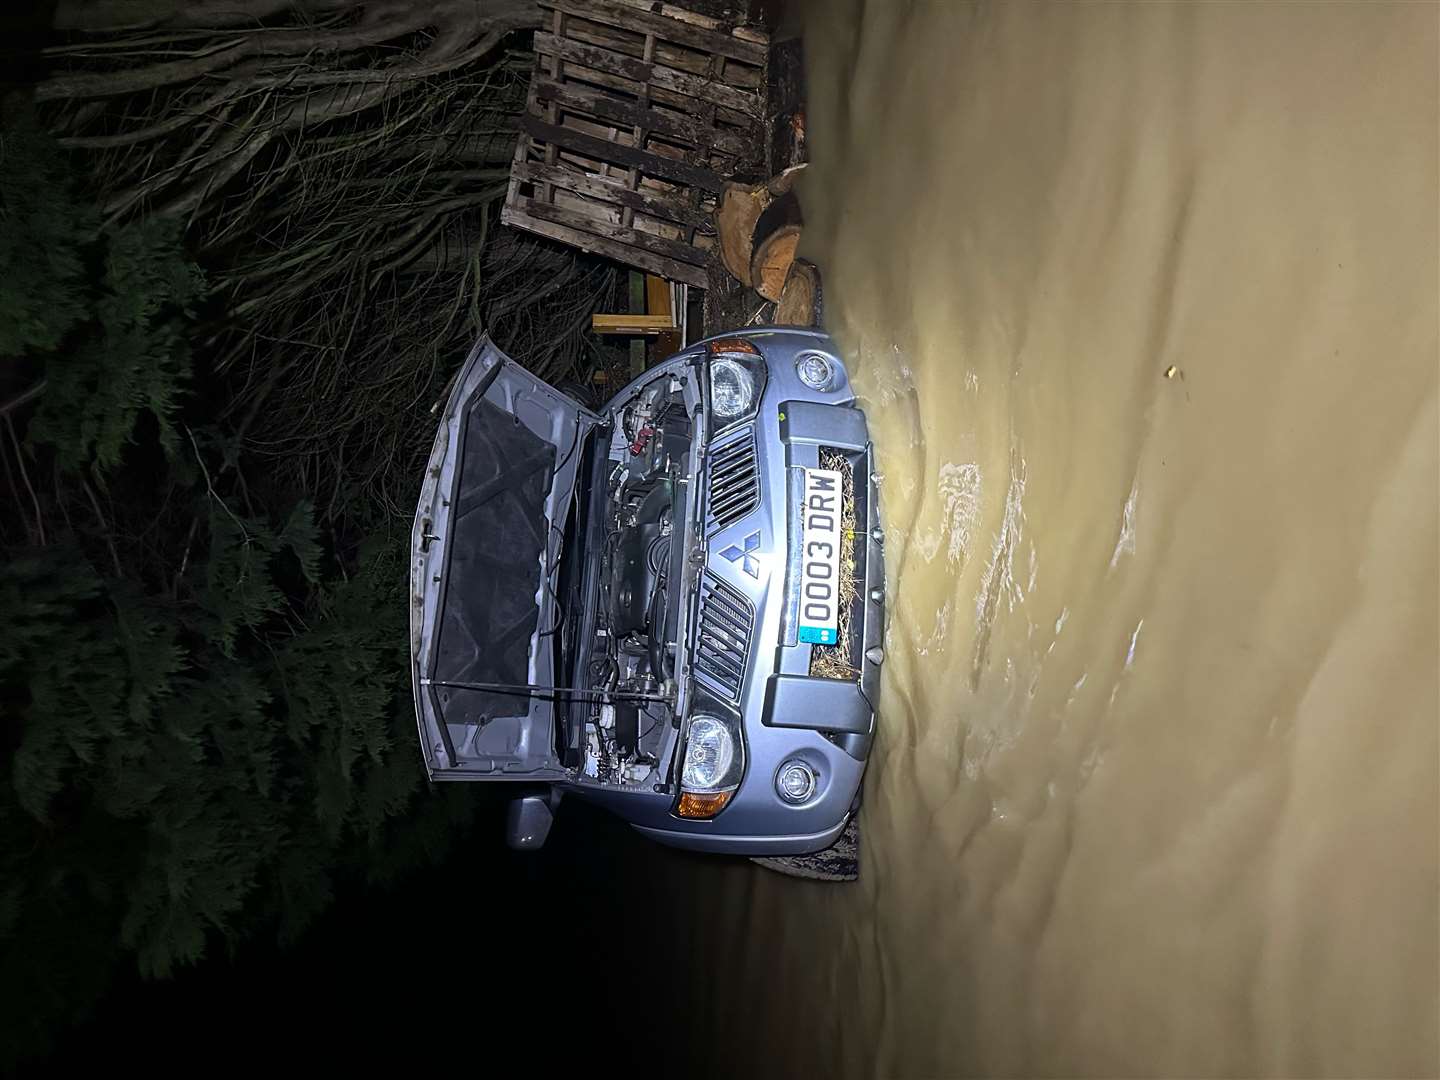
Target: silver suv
x=672 y=607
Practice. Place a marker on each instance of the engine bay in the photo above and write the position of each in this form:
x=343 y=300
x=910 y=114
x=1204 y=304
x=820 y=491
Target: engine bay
x=641 y=522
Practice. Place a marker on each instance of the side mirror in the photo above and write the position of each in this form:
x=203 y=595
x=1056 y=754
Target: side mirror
x=527 y=822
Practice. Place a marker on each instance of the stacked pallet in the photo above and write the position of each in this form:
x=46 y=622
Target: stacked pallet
x=637 y=115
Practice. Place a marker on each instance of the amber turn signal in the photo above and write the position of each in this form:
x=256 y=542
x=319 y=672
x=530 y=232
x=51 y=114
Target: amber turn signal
x=729 y=346
x=703 y=805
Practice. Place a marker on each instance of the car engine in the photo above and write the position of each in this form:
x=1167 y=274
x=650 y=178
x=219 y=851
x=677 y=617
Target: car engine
x=640 y=570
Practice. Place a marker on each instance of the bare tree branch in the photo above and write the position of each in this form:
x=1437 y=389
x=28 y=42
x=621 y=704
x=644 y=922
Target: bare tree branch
x=227 y=92
x=24 y=396
x=256 y=43
x=121 y=15
x=116 y=15
x=342 y=199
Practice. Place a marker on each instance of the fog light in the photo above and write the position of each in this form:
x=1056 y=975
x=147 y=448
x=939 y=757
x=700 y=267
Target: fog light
x=796 y=781
x=815 y=371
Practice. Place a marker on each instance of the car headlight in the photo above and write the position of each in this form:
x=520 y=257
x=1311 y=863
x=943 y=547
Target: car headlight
x=732 y=390
x=737 y=377
x=709 y=753
x=714 y=762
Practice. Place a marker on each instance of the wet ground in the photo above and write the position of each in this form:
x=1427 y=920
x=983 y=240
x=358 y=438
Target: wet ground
x=1142 y=299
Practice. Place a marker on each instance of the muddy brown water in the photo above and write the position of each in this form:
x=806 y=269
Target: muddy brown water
x=1142 y=303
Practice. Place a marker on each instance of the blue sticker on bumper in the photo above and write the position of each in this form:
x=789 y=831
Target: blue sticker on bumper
x=817 y=635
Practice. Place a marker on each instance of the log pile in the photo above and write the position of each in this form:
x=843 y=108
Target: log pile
x=759 y=228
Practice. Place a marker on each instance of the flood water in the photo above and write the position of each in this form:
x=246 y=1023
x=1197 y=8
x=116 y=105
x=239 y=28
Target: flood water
x=1142 y=301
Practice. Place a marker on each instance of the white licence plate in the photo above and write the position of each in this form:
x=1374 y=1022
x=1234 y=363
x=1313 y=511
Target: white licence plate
x=820 y=514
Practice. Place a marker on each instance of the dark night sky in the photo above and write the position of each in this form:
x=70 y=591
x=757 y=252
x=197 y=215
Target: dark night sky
x=493 y=958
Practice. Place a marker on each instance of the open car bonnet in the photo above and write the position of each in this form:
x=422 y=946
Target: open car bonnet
x=484 y=552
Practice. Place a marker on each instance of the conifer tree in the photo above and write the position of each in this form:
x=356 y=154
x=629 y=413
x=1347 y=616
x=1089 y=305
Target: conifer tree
x=206 y=685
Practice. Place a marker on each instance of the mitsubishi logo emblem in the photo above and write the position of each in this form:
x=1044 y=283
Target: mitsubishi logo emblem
x=750 y=562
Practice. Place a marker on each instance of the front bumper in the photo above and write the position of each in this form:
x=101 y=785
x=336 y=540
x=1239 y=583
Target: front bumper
x=787 y=709
x=750 y=846
x=843 y=709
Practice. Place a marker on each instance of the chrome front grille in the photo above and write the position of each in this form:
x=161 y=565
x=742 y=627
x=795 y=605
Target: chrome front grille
x=726 y=621
x=733 y=481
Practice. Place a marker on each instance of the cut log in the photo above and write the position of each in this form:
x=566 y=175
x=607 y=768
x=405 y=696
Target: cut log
x=781 y=183
x=772 y=248
x=772 y=259
x=740 y=207
x=799 y=299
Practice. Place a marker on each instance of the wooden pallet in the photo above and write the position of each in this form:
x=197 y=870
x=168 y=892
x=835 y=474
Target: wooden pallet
x=638 y=112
